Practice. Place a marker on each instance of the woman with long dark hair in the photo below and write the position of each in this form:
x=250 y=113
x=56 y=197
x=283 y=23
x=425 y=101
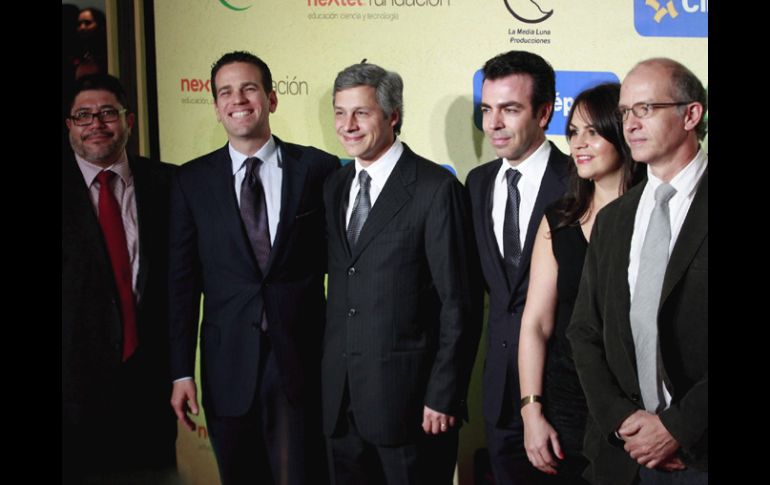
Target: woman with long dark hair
x=553 y=406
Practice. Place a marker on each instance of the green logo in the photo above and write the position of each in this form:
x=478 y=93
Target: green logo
x=237 y=9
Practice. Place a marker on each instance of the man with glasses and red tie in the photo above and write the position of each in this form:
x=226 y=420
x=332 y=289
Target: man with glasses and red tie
x=115 y=416
x=639 y=330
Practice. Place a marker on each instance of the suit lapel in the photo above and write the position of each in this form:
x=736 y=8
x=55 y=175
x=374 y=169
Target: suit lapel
x=619 y=260
x=552 y=187
x=81 y=218
x=488 y=183
x=394 y=195
x=294 y=174
x=223 y=196
x=694 y=230
x=144 y=207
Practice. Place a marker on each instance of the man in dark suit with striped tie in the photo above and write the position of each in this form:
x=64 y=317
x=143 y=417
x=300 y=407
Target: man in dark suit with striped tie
x=403 y=318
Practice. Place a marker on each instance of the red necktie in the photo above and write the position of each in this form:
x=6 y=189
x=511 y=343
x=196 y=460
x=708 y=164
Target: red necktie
x=115 y=237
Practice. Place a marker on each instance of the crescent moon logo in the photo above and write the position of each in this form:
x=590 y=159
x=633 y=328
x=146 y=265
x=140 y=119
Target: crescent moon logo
x=237 y=9
x=519 y=3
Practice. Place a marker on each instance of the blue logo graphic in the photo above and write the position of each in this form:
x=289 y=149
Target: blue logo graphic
x=671 y=18
x=568 y=85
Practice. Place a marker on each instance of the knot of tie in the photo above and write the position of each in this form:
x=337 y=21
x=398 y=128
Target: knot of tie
x=252 y=170
x=364 y=180
x=512 y=176
x=105 y=177
x=664 y=193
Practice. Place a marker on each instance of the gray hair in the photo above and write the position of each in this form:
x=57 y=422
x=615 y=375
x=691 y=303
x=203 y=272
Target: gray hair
x=685 y=86
x=388 y=87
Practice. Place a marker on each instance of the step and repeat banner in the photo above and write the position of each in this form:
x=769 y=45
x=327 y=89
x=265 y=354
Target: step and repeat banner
x=438 y=47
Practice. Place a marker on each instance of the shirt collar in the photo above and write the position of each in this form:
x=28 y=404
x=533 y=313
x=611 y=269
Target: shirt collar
x=533 y=163
x=380 y=169
x=91 y=170
x=268 y=153
x=686 y=181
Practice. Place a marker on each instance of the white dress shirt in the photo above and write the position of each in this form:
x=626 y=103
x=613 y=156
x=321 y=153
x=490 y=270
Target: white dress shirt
x=271 y=174
x=379 y=171
x=532 y=170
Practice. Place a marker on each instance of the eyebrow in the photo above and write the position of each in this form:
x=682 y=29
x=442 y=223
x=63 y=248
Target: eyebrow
x=100 y=108
x=505 y=104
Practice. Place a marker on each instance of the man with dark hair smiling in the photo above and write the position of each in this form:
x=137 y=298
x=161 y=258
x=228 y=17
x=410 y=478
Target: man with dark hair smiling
x=247 y=233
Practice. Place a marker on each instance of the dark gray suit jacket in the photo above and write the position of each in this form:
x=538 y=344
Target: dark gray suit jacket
x=603 y=346
x=403 y=316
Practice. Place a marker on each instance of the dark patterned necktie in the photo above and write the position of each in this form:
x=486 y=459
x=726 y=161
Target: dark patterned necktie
x=115 y=237
x=361 y=208
x=254 y=212
x=511 y=242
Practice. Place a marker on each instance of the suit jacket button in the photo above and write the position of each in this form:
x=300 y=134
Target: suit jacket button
x=636 y=397
x=344 y=355
x=505 y=344
x=351 y=271
x=352 y=312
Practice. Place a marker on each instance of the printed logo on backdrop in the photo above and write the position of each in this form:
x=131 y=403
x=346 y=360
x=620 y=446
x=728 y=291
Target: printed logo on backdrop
x=529 y=12
x=368 y=10
x=568 y=85
x=198 y=90
x=233 y=7
x=671 y=18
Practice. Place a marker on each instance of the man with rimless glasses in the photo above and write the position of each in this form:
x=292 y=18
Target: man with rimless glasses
x=115 y=416
x=639 y=331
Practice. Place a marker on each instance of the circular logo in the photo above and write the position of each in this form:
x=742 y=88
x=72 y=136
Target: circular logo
x=528 y=11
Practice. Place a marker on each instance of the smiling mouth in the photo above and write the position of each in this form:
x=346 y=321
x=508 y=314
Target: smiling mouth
x=240 y=114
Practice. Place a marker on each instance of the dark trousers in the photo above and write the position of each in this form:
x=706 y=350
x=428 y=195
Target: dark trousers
x=275 y=442
x=430 y=460
x=131 y=429
x=687 y=476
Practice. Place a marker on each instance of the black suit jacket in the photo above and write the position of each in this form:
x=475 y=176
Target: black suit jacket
x=603 y=346
x=506 y=302
x=98 y=390
x=210 y=254
x=404 y=305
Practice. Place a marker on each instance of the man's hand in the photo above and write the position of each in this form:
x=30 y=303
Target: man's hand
x=183 y=400
x=648 y=441
x=434 y=422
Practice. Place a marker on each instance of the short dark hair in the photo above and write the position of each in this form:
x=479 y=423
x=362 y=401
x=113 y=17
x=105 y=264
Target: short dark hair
x=98 y=82
x=598 y=104
x=248 y=58
x=388 y=87
x=523 y=62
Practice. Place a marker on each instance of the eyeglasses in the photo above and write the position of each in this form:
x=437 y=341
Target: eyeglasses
x=644 y=110
x=85 y=118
